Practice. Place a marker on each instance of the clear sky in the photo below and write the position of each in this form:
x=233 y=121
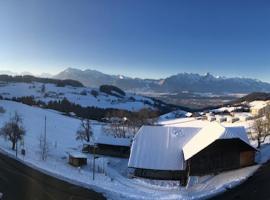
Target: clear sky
x=137 y=38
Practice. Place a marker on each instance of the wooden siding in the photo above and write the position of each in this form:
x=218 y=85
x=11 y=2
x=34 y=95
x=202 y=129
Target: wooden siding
x=222 y=155
x=160 y=174
x=77 y=162
x=247 y=158
x=109 y=150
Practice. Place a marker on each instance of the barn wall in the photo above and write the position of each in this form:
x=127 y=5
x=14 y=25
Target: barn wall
x=77 y=161
x=110 y=150
x=222 y=155
x=160 y=174
x=247 y=158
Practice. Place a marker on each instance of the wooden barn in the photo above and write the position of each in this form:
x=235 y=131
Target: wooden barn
x=216 y=148
x=173 y=153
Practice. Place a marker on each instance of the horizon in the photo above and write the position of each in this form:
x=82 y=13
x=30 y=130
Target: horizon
x=146 y=39
x=9 y=72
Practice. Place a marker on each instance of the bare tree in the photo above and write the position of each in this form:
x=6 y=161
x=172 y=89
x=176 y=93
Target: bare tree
x=43 y=143
x=44 y=147
x=13 y=130
x=84 y=132
x=261 y=130
x=43 y=88
x=2 y=110
x=123 y=123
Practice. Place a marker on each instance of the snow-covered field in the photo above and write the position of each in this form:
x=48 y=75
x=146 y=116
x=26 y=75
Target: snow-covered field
x=78 y=95
x=112 y=178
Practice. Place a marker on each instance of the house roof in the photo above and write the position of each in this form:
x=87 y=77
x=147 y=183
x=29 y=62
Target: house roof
x=168 y=148
x=160 y=147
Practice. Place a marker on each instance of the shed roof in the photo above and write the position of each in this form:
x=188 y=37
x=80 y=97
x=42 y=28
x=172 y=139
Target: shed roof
x=76 y=154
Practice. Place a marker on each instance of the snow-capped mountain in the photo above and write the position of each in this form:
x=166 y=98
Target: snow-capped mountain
x=177 y=83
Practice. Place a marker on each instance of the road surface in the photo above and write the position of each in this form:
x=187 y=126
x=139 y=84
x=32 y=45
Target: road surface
x=256 y=187
x=20 y=182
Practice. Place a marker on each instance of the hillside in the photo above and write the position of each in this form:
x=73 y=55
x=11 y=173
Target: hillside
x=253 y=97
x=106 y=98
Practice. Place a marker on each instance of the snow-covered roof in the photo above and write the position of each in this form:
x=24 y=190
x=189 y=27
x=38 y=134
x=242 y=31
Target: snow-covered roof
x=173 y=122
x=258 y=104
x=103 y=138
x=76 y=154
x=210 y=134
x=186 y=122
x=160 y=147
x=168 y=147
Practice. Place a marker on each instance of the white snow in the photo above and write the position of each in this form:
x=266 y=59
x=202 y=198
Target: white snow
x=111 y=178
x=258 y=104
x=74 y=95
x=76 y=154
x=104 y=138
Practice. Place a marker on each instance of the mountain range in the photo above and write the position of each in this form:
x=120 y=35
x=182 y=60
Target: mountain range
x=182 y=82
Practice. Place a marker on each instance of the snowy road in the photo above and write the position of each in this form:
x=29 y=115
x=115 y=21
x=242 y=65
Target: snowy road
x=18 y=181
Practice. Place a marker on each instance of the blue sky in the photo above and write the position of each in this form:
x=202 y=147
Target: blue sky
x=137 y=38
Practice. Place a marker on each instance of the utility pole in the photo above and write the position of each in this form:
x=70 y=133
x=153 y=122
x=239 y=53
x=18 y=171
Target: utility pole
x=94 y=159
x=16 y=147
x=45 y=131
x=44 y=145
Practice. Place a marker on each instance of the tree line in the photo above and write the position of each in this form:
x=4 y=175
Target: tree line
x=30 y=79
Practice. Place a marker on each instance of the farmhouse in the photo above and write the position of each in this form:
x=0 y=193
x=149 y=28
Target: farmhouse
x=167 y=152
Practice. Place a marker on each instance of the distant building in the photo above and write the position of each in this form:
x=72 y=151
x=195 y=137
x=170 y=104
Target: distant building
x=167 y=152
x=109 y=145
x=258 y=108
x=244 y=116
x=77 y=159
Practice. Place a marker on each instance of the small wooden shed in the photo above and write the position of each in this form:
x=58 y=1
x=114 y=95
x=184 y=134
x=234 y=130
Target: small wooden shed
x=77 y=159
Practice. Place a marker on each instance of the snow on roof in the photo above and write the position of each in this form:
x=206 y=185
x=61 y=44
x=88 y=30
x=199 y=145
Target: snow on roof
x=258 y=104
x=160 y=147
x=210 y=134
x=109 y=139
x=76 y=154
x=172 y=122
x=186 y=122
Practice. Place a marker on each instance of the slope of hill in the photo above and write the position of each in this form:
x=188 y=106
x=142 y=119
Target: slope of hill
x=83 y=96
x=263 y=96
